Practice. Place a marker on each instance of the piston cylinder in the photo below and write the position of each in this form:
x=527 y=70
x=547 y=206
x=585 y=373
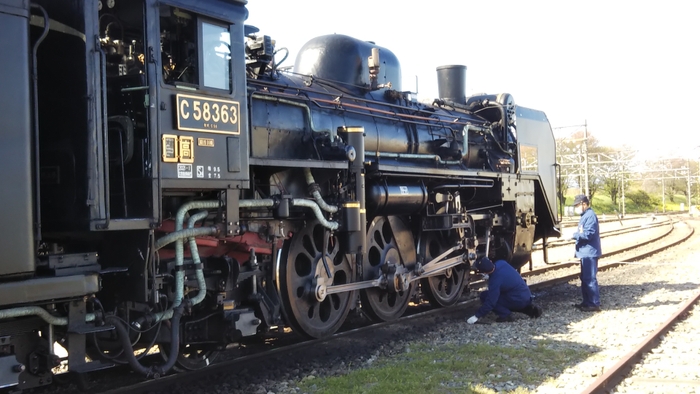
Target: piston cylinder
x=396 y=198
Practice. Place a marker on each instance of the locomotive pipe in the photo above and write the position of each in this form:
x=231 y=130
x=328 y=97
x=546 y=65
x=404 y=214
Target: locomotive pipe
x=317 y=194
x=490 y=104
x=262 y=203
x=186 y=233
x=300 y=202
x=178 y=237
x=201 y=283
x=363 y=110
x=412 y=156
x=356 y=139
x=35 y=99
x=465 y=143
x=155 y=370
x=180 y=248
x=42 y=313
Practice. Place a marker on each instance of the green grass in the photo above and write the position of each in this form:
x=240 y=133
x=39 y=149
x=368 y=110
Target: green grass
x=451 y=369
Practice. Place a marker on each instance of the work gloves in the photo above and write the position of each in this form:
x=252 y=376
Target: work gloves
x=472 y=320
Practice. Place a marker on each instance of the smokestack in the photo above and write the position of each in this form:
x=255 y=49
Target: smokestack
x=452 y=83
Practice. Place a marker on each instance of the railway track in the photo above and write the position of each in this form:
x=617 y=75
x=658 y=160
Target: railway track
x=656 y=364
x=275 y=346
x=608 y=233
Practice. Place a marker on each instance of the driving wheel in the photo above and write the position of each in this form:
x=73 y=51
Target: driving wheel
x=303 y=276
x=446 y=288
x=384 y=238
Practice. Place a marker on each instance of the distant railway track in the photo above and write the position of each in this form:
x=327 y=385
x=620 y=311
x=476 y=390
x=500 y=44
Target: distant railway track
x=275 y=346
x=608 y=233
x=635 y=253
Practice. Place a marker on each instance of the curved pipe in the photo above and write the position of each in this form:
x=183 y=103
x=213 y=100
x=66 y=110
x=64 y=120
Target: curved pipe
x=316 y=194
x=179 y=244
x=35 y=99
x=42 y=313
x=155 y=370
x=195 y=258
x=306 y=108
x=502 y=110
x=317 y=211
x=299 y=202
x=178 y=236
x=186 y=233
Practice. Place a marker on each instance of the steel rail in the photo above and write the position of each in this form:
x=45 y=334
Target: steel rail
x=611 y=233
x=617 y=373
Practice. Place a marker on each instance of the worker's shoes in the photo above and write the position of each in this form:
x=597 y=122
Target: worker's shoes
x=532 y=310
x=505 y=319
x=589 y=308
x=535 y=311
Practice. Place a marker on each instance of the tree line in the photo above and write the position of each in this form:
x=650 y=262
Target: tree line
x=613 y=171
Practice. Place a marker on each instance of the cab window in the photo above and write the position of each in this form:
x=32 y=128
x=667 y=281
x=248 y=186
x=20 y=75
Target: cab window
x=195 y=52
x=216 y=61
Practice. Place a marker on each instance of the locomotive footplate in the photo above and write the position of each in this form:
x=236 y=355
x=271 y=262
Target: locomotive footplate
x=41 y=289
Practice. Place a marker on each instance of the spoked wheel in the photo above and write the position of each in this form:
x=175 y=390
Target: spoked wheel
x=444 y=289
x=302 y=270
x=383 y=248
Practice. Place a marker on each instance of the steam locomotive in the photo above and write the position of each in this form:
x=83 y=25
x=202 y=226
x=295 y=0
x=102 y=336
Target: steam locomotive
x=167 y=183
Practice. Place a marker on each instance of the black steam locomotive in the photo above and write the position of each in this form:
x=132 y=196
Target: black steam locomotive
x=167 y=183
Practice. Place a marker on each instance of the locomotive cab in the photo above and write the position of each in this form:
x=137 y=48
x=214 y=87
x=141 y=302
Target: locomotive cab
x=111 y=108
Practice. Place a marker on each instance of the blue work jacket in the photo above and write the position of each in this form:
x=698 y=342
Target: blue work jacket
x=587 y=235
x=506 y=288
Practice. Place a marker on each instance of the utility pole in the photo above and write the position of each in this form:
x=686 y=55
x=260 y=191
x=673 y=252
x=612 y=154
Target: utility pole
x=663 y=188
x=622 y=185
x=663 y=192
x=689 y=200
x=585 y=158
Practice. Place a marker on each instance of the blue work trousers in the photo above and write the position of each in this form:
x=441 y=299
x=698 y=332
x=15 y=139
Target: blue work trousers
x=589 y=281
x=504 y=306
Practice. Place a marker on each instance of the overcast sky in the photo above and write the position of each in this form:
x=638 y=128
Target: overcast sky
x=631 y=69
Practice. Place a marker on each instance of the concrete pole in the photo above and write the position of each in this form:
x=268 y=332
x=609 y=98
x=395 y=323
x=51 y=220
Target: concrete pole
x=663 y=188
x=585 y=158
x=622 y=180
x=663 y=191
x=689 y=200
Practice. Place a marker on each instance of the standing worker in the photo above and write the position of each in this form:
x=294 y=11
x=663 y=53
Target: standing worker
x=507 y=292
x=587 y=237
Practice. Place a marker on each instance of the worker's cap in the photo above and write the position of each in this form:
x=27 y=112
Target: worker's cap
x=581 y=198
x=483 y=265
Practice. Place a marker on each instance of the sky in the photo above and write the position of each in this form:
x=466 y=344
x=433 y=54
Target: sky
x=630 y=70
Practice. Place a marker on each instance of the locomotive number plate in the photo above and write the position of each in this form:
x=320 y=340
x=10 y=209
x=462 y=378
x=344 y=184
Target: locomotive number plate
x=196 y=113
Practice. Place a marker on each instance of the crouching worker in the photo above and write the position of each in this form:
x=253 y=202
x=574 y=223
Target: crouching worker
x=507 y=292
